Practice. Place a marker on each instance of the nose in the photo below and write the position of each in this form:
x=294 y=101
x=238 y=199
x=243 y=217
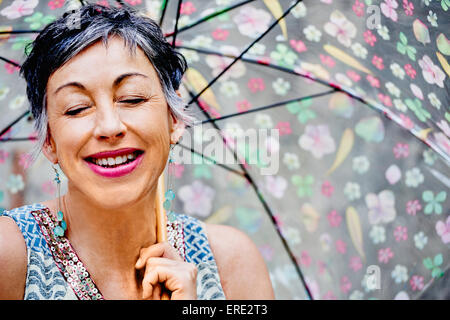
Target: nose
x=109 y=126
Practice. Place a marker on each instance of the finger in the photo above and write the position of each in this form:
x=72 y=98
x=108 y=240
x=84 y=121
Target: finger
x=149 y=283
x=156 y=292
x=163 y=249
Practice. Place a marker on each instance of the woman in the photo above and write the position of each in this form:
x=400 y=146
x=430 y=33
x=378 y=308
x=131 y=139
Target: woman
x=107 y=108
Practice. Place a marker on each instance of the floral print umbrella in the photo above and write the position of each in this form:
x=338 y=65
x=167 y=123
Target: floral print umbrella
x=358 y=91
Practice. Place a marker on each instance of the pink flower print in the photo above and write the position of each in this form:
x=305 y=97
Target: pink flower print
x=355 y=263
x=297 y=45
x=416 y=282
x=413 y=206
x=388 y=8
x=410 y=71
x=407 y=122
x=374 y=82
x=408 y=7
x=220 y=34
x=252 y=22
x=346 y=285
x=381 y=207
x=219 y=63
x=358 y=8
x=341 y=246
x=276 y=185
x=133 y=2
x=284 y=128
x=25 y=160
x=10 y=68
x=19 y=8
x=353 y=75
x=431 y=72
x=187 y=8
x=341 y=28
x=243 y=105
x=370 y=38
x=256 y=84
x=378 y=62
x=334 y=218
x=197 y=198
x=322 y=267
x=443 y=230
x=384 y=255
x=55 y=4
x=401 y=150
x=318 y=140
x=3 y=155
x=327 y=61
x=104 y=3
x=176 y=170
x=329 y=295
x=305 y=259
x=400 y=233
x=49 y=187
x=327 y=189
x=385 y=100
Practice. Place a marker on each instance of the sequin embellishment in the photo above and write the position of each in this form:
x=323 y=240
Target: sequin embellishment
x=70 y=265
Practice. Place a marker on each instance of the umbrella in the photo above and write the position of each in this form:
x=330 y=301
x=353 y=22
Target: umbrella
x=358 y=95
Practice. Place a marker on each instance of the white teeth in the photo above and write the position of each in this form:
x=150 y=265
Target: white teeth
x=115 y=161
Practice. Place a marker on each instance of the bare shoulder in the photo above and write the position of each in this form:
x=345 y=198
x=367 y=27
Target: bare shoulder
x=242 y=269
x=13 y=260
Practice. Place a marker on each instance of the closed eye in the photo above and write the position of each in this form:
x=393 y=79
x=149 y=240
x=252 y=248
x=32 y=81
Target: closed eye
x=74 y=112
x=133 y=101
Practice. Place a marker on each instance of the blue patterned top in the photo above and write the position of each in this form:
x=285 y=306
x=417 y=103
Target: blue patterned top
x=45 y=280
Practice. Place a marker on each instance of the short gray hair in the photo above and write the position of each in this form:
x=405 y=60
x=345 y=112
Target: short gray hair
x=60 y=41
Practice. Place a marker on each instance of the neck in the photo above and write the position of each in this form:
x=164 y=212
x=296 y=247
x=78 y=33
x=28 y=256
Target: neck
x=108 y=241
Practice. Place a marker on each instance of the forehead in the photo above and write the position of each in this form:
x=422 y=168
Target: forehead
x=98 y=61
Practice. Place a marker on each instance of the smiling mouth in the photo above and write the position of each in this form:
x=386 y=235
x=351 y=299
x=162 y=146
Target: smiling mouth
x=114 y=162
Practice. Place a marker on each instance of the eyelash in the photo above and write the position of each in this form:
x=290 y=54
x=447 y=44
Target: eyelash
x=132 y=101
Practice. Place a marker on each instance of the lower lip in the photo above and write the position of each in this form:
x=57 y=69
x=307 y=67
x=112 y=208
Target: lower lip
x=118 y=171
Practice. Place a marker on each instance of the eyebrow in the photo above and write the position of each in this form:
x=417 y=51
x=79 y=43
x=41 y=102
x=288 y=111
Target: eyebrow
x=116 y=82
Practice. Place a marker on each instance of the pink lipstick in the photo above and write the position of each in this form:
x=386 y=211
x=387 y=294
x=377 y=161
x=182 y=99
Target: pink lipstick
x=115 y=163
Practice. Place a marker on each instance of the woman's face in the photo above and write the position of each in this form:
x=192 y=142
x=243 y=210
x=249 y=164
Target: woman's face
x=109 y=124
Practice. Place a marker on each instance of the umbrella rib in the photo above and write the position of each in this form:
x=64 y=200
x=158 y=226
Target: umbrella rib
x=263 y=202
x=10 y=62
x=212 y=160
x=163 y=13
x=185 y=28
x=175 y=32
x=23 y=115
x=275 y=23
x=270 y=106
x=210 y=16
x=268 y=65
x=18 y=139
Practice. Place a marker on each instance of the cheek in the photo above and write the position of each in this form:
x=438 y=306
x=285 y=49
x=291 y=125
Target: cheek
x=148 y=122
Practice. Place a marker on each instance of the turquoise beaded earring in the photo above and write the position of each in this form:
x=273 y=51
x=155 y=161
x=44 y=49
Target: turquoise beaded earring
x=61 y=227
x=169 y=194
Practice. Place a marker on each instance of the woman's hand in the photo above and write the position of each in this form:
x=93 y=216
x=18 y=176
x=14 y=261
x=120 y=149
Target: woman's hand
x=163 y=266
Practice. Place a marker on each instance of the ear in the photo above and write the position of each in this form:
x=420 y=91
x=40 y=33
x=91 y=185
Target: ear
x=49 y=149
x=177 y=126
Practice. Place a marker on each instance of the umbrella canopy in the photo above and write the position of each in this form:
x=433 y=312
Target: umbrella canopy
x=357 y=92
